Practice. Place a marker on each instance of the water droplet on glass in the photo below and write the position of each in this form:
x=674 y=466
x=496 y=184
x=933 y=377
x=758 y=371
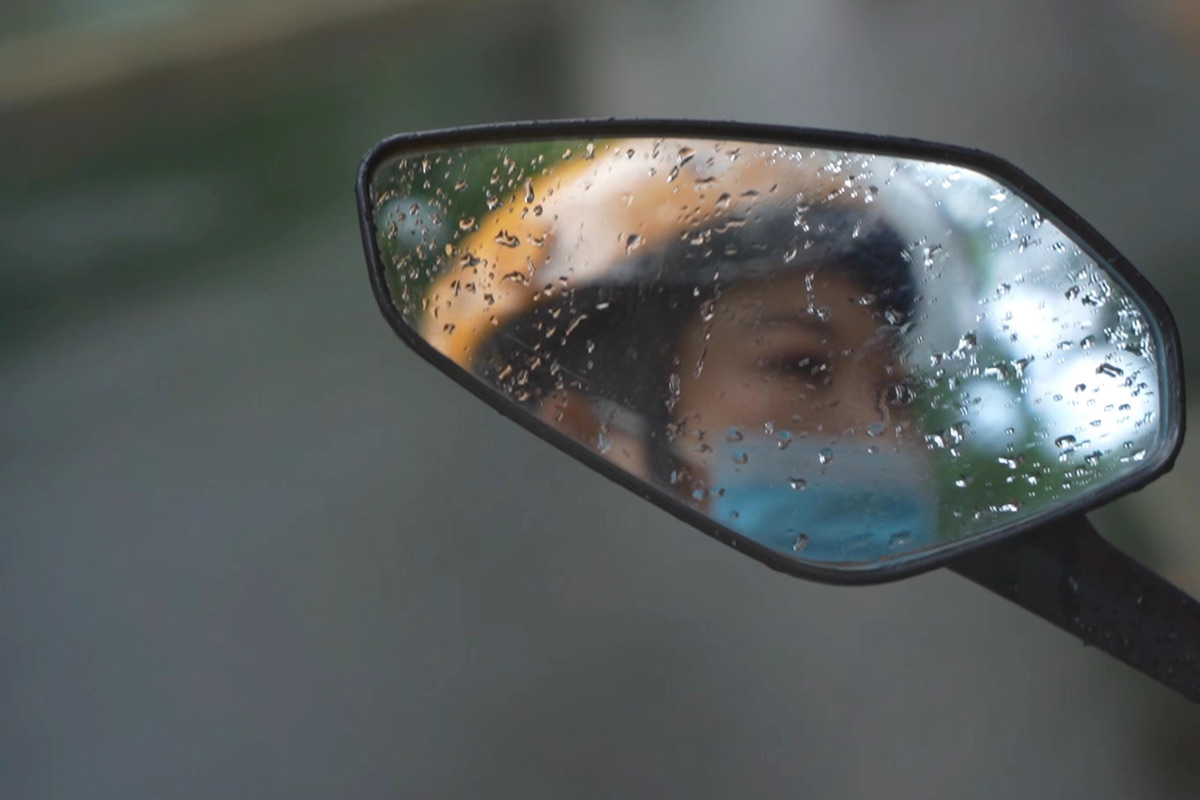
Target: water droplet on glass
x=784 y=440
x=800 y=543
x=1080 y=387
x=826 y=455
x=877 y=429
x=799 y=484
x=633 y=242
x=899 y=539
x=1072 y=293
x=1064 y=441
x=964 y=481
x=1110 y=370
x=740 y=457
x=733 y=435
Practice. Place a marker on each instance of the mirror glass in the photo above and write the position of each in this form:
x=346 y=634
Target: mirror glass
x=851 y=358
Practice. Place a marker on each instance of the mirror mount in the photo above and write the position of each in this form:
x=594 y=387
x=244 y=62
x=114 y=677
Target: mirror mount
x=1070 y=576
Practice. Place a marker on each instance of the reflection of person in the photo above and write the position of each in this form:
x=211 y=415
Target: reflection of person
x=743 y=353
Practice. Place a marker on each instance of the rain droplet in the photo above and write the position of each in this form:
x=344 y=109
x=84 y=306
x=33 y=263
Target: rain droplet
x=1072 y=293
x=876 y=429
x=1064 y=441
x=964 y=481
x=1110 y=370
x=784 y=440
x=899 y=539
x=733 y=435
x=799 y=484
x=633 y=243
x=505 y=239
x=740 y=457
x=826 y=455
x=800 y=543
x=1080 y=387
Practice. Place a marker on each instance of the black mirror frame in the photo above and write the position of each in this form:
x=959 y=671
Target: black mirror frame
x=1172 y=404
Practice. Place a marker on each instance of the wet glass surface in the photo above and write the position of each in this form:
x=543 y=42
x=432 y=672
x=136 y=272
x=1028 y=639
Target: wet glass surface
x=848 y=357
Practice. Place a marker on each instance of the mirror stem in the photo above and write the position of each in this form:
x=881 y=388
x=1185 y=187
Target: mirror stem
x=1072 y=577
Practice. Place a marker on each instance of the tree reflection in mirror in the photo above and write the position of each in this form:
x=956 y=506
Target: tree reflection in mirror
x=847 y=357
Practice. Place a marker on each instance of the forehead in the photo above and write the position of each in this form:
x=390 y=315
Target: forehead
x=822 y=302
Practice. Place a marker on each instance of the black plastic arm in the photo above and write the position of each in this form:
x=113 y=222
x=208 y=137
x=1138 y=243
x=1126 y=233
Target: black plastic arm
x=1072 y=577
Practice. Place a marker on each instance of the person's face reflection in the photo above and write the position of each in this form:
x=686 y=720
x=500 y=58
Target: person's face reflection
x=811 y=355
x=804 y=354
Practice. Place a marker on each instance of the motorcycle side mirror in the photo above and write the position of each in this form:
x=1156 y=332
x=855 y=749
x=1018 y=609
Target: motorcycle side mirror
x=853 y=358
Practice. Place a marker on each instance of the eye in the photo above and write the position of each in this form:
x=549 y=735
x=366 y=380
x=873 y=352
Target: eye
x=808 y=367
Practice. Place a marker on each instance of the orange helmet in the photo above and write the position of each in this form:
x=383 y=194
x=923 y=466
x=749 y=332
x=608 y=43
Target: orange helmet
x=585 y=222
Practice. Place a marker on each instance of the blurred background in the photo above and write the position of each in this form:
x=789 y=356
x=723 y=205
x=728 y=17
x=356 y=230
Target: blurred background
x=253 y=547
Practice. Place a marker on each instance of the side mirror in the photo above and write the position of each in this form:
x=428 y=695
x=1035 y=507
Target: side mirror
x=852 y=358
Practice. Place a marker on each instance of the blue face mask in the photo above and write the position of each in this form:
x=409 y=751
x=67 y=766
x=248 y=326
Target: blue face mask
x=852 y=501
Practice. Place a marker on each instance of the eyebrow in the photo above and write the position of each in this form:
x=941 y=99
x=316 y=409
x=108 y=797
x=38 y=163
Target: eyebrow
x=797 y=319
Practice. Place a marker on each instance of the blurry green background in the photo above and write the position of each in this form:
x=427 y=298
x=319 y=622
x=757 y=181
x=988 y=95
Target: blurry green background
x=253 y=547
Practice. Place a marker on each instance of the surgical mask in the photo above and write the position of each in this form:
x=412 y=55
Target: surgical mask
x=850 y=501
